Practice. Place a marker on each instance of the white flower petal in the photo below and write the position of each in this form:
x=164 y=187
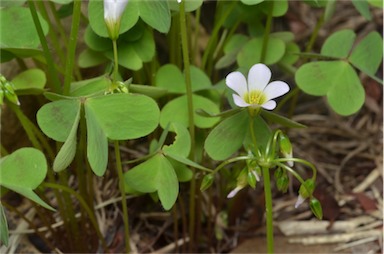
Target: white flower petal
x=258 y=77
x=113 y=9
x=299 y=201
x=239 y=101
x=256 y=175
x=270 y=105
x=234 y=192
x=237 y=82
x=276 y=89
x=289 y=156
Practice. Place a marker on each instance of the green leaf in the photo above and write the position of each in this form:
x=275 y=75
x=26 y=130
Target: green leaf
x=57 y=118
x=7 y=4
x=339 y=44
x=90 y=87
x=155 y=174
x=262 y=133
x=184 y=174
x=337 y=80
x=156 y=14
x=96 y=42
x=17 y=29
x=62 y=1
x=368 y=54
x=145 y=46
x=89 y=58
x=4 y=233
x=24 y=170
x=190 y=5
x=123 y=116
x=275 y=118
x=97 y=144
x=32 y=78
x=127 y=57
x=176 y=111
x=9 y=53
x=291 y=54
x=68 y=150
x=227 y=137
x=151 y=91
x=171 y=78
x=280 y=7
x=250 y=54
x=182 y=144
x=284 y=36
x=251 y=2
x=96 y=17
x=231 y=49
x=330 y=8
x=363 y=7
x=187 y=162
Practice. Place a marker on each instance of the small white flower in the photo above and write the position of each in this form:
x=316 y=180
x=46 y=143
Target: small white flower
x=235 y=191
x=299 y=201
x=289 y=156
x=113 y=10
x=257 y=92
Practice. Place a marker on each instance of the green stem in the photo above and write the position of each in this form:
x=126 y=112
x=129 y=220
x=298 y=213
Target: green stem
x=116 y=64
x=307 y=163
x=58 y=22
x=268 y=208
x=268 y=26
x=32 y=132
x=50 y=63
x=52 y=33
x=69 y=65
x=73 y=228
x=83 y=204
x=123 y=196
x=187 y=72
x=213 y=38
x=314 y=35
x=223 y=164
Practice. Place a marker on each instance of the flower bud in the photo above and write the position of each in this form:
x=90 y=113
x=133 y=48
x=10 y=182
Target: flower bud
x=316 y=208
x=206 y=182
x=113 y=10
x=307 y=188
x=241 y=183
x=286 y=148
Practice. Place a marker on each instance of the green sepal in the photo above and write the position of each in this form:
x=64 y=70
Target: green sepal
x=206 y=182
x=316 y=208
x=307 y=188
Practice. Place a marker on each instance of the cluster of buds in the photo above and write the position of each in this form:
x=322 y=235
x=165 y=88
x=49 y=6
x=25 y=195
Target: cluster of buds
x=7 y=90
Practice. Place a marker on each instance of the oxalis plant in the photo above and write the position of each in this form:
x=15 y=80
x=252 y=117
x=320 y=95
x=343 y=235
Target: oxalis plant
x=154 y=86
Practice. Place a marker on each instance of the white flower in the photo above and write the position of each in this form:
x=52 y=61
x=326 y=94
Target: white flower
x=299 y=201
x=235 y=191
x=113 y=10
x=257 y=92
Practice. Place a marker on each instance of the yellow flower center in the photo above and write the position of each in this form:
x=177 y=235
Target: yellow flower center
x=255 y=97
